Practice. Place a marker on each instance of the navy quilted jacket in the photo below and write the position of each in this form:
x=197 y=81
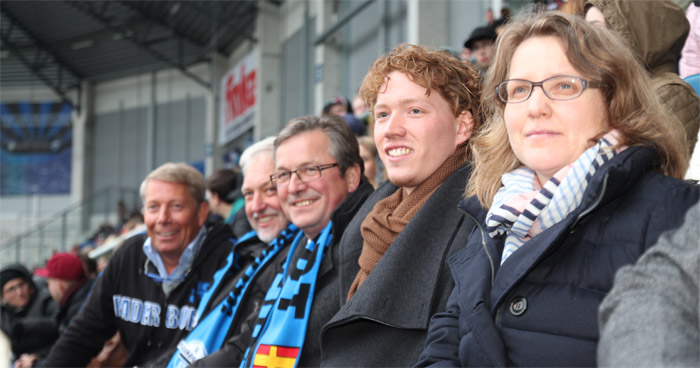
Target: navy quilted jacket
x=540 y=308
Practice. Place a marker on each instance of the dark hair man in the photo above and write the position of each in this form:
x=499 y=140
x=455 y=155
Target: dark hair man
x=318 y=175
x=154 y=281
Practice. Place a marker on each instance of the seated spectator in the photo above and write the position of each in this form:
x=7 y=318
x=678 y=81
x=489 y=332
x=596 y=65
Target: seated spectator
x=368 y=152
x=68 y=285
x=576 y=173
x=318 y=175
x=27 y=315
x=226 y=200
x=426 y=106
x=238 y=288
x=480 y=45
x=153 y=283
x=339 y=106
x=359 y=107
x=651 y=318
x=659 y=51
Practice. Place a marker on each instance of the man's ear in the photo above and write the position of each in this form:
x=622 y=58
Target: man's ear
x=352 y=177
x=465 y=127
x=203 y=213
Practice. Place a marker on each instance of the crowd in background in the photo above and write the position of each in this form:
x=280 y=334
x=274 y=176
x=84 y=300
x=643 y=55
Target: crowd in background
x=427 y=221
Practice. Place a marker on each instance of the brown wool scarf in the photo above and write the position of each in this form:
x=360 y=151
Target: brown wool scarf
x=391 y=215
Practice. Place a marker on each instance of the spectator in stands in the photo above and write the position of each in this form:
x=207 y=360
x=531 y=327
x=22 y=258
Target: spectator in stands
x=359 y=107
x=339 y=106
x=226 y=200
x=318 y=174
x=238 y=288
x=651 y=317
x=368 y=152
x=68 y=285
x=579 y=177
x=659 y=50
x=489 y=17
x=262 y=205
x=153 y=283
x=27 y=314
x=480 y=44
x=426 y=105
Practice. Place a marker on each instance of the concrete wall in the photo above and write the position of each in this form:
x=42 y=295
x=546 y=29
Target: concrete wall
x=295 y=78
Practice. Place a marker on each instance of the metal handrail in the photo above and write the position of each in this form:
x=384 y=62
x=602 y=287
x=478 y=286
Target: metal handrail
x=85 y=206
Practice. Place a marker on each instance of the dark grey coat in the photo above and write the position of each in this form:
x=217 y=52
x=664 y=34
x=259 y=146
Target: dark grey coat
x=386 y=321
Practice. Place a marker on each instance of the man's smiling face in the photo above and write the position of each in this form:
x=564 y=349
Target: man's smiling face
x=309 y=205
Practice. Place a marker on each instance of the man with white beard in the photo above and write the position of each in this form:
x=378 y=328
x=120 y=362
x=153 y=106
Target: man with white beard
x=225 y=305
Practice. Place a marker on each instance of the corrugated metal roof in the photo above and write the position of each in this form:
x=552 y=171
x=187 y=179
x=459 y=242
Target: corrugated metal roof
x=61 y=43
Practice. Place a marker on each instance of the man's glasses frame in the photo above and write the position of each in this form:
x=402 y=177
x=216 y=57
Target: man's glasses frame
x=304 y=174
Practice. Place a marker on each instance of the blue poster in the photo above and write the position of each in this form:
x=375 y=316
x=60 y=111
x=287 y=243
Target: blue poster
x=36 y=148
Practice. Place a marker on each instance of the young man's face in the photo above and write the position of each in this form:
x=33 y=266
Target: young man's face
x=415 y=133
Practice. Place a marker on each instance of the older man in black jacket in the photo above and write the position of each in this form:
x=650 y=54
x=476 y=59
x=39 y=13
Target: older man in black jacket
x=152 y=285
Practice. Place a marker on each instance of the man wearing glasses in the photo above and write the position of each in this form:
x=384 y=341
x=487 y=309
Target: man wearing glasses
x=153 y=283
x=318 y=175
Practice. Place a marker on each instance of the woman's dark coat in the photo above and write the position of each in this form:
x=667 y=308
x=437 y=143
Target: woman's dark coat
x=540 y=308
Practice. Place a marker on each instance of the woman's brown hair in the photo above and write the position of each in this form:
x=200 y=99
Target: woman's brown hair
x=632 y=107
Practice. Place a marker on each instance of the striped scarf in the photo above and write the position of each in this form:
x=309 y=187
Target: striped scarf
x=521 y=210
x=280 y=332
x=211 y=330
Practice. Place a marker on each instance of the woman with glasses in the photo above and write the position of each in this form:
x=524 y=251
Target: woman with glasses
x=575 y=175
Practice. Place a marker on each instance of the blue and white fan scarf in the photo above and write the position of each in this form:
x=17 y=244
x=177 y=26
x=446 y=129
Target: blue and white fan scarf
x=283 y=319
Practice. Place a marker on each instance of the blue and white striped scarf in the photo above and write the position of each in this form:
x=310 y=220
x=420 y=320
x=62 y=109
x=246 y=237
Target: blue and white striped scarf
x=210 y=331
x=522 y=211
x=284 y=316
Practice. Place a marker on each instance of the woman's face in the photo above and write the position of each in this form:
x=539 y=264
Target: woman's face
x=545 y=134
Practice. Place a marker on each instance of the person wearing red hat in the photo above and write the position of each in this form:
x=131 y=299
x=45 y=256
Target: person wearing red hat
x=68 y=285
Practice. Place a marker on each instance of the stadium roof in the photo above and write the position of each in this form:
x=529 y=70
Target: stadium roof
x=60 y=44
